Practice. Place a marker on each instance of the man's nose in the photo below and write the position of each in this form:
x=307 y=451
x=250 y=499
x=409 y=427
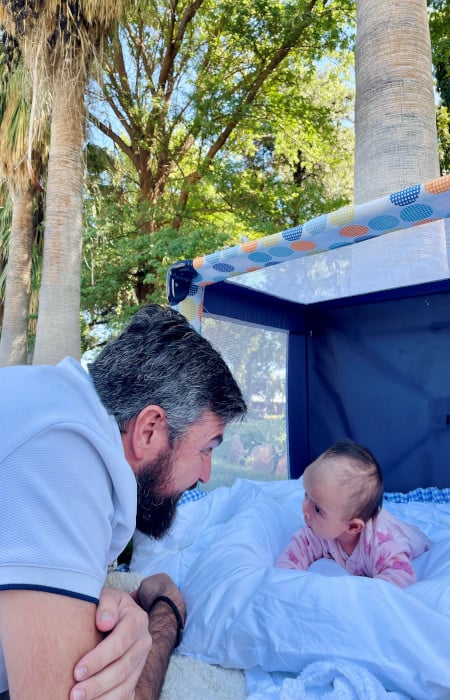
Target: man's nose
x=205 y=473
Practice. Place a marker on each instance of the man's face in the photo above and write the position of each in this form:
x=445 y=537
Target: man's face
x=161 y=482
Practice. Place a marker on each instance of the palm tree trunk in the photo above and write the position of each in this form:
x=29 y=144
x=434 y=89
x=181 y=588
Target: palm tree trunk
x=395 y=113
x=14 y=337
x=58 y=326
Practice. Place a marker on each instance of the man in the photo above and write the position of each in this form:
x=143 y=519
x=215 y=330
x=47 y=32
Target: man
x=78 y=451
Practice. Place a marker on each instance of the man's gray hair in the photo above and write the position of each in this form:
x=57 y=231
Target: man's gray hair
x=160 y=359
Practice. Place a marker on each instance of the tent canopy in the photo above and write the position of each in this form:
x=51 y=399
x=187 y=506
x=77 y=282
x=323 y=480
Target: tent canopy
x=366 y=326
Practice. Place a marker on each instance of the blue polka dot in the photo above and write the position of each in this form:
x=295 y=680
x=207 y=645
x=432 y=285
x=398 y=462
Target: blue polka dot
x=219 y=279
x=269 y=264
x=365 y=238
x=223 y=267
x=212 y=258
x=197 y=279
x=292 y=234
x=340 y=245
x=280 y=252
x=382 y=223
x=259 y=257
x=193 y=289
x=317 y=225
x=407 y=196
x=416 y=212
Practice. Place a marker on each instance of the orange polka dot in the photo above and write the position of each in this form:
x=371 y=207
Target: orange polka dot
x=200 y=310
x=198 y=262
x=303 y=245
x=252 y=269
x=249 y=246
x=440 y=184
x=353 y=230
x=424 y=221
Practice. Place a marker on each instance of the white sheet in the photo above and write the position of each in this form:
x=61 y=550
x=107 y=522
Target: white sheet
x=321 y=680
x=243 y=612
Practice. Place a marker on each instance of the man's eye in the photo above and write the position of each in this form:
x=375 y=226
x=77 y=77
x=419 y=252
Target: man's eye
x=317 y=509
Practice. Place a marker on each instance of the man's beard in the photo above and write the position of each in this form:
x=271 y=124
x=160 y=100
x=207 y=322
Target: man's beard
x=155 y=513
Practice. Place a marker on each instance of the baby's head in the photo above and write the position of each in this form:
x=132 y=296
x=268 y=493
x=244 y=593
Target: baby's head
x=343 y=490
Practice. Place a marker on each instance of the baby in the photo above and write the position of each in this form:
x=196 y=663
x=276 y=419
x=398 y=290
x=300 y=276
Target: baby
x=345 y=521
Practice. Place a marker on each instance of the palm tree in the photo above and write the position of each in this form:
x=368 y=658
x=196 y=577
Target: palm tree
x=395 y=112
x=14 y=168
x=59 y=41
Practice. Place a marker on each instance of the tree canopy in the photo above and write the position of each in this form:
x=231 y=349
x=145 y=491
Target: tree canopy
x=219 y=121
x=212 y=122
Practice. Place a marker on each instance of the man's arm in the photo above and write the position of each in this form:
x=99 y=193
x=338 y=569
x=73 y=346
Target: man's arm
x=163 y=629
x=42 y=636
x=116 y=663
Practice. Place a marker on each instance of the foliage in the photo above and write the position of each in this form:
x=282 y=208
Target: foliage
x=251 y=433
x=440 y=41
x=228 y=121
x=256 y=357
x=258 y=431
x=225 y=474
x=443 y=127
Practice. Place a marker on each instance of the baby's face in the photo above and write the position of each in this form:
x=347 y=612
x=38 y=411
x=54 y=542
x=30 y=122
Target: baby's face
x=323 y=505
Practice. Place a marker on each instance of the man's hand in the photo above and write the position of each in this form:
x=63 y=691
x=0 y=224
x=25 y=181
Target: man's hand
x=156 y=585
x=115 y=664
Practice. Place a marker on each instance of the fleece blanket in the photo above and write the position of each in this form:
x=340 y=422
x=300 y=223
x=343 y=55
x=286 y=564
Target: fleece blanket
x=186 y=677
x=343 y=632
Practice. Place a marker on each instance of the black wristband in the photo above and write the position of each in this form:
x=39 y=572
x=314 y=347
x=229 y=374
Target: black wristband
x=176 y=612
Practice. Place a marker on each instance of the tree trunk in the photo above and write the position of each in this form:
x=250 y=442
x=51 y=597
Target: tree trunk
x=14 y=338
x=395 y=113
x=58 y=326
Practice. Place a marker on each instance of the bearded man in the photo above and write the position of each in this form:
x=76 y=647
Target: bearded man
x=84 y=458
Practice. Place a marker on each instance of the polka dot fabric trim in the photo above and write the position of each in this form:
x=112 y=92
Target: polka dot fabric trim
x=350 y=224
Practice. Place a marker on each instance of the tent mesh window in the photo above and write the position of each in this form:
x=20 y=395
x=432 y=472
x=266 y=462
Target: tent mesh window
x=256 y=447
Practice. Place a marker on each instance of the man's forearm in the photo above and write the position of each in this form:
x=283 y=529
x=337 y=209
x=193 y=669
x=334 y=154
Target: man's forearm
x=163 y=629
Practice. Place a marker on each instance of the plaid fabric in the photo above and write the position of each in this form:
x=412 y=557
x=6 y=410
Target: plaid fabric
x=429 y=495
x=192 y=495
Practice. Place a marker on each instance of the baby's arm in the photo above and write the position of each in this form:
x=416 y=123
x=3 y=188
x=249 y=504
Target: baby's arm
x=394 y=546
x=299 y=554
x=397 y=569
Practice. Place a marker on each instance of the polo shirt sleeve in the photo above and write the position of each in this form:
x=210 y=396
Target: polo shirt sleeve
x=57 y=513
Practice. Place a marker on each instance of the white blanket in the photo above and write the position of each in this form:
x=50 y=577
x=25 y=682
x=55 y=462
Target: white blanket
x=319 y=680
x=245 y=613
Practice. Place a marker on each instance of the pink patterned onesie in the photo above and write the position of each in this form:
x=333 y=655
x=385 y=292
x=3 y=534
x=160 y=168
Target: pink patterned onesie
x=384 y=550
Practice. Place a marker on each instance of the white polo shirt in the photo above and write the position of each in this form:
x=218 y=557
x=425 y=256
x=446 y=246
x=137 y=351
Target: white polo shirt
x=67 y=493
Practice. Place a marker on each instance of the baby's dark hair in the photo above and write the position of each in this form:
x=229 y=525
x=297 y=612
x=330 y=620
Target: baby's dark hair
x=361 y=476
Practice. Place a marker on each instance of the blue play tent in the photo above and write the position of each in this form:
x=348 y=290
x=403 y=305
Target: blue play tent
x=366 y=327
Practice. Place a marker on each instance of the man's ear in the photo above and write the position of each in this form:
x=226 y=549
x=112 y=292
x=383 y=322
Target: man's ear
x=149 y=433
x=356 y=525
